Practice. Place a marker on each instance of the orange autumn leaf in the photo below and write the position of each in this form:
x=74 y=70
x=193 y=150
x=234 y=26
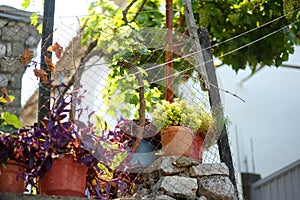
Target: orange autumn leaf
x=5 y=95
x=49 y=64
x=57 y=49
x=26 y=57
x=42 y=74
x=76 y=144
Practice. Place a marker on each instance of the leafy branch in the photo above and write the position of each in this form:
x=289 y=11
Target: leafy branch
x=142 y=107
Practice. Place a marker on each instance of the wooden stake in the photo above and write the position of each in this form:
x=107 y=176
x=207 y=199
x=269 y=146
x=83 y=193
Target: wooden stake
x=169 y=54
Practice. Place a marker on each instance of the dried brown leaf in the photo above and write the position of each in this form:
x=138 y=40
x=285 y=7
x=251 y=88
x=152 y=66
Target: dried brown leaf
x=57 y=49
x=26 y=57
x=5 y=95
x=49 y=64
x=42 y=74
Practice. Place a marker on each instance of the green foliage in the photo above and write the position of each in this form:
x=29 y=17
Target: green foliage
x=182 y=113
x=122 y=92
x=226 y=19
x=104 y=21
x=269 y=45
x=26 y=3
x=122 y=42
x=34 y=18
x=289 y=7
x=9 y=122
x=152 y=16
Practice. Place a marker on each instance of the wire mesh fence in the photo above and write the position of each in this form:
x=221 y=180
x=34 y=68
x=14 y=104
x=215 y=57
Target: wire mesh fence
x=108 y=110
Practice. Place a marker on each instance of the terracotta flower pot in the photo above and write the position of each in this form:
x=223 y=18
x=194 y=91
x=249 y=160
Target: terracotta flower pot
x=65 y=178
x=196 y=149
x=11 y=177
x=177 y=140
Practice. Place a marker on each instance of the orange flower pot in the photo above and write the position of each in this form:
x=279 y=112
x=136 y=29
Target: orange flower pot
x=11 y=177
x=65 y=178
x=177 y=140
x=196 y=149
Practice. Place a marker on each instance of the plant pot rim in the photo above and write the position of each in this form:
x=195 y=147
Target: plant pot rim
x=176 y=127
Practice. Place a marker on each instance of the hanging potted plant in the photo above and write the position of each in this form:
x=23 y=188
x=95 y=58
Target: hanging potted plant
x=179 y=122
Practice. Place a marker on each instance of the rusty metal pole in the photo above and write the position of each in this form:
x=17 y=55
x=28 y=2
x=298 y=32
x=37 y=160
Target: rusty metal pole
x=169 y=52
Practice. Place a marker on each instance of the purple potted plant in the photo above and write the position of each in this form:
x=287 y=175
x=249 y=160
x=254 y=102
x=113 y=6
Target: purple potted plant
x=60 y=137
x=17 y=153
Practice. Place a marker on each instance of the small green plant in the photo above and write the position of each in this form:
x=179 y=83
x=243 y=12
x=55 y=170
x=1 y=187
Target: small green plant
x=9 y=122
x=181 y=113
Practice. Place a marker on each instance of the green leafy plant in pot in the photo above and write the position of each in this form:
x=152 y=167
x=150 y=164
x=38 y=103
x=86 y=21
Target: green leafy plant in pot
x=179 y=122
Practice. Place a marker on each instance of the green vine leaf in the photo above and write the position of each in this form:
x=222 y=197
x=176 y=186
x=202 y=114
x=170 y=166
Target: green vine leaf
x=26 y=4
x=11 y=119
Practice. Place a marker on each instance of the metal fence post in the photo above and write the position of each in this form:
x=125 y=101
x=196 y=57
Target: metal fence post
x=216 y=105
x=47 y=37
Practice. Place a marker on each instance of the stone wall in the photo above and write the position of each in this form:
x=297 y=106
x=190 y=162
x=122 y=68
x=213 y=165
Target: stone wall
x=174 y=177
x=16 y=35
x=170 y=178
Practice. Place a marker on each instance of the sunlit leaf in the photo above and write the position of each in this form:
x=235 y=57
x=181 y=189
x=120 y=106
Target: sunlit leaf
x=25 y=4
x=34 y=19
x=11 y=119
x=11 y=97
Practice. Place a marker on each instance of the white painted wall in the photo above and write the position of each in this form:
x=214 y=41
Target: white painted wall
x=270 y=115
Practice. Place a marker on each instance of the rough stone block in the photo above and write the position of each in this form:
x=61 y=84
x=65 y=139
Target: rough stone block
x=12 y=23
x=164 y=197
x=15 y=32
x=185 y=162
x=31 y=42
x=216 y=188
x=24 y=27
x=16 y=110
x=9 y=50
x=164 y=165
x=18 y=49
x=8 y=65
x=157 y=197
x=178 y=187
x=3 y=22
x=209 y=169
x=34 y=32
x=16 y=79
x=3 y=80
x=2 y=50
x=8 y=33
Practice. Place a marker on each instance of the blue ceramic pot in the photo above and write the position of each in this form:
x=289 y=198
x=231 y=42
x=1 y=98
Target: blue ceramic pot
x=145 y=154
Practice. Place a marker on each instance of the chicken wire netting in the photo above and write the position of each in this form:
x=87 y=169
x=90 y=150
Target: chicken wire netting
x=113 y=86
